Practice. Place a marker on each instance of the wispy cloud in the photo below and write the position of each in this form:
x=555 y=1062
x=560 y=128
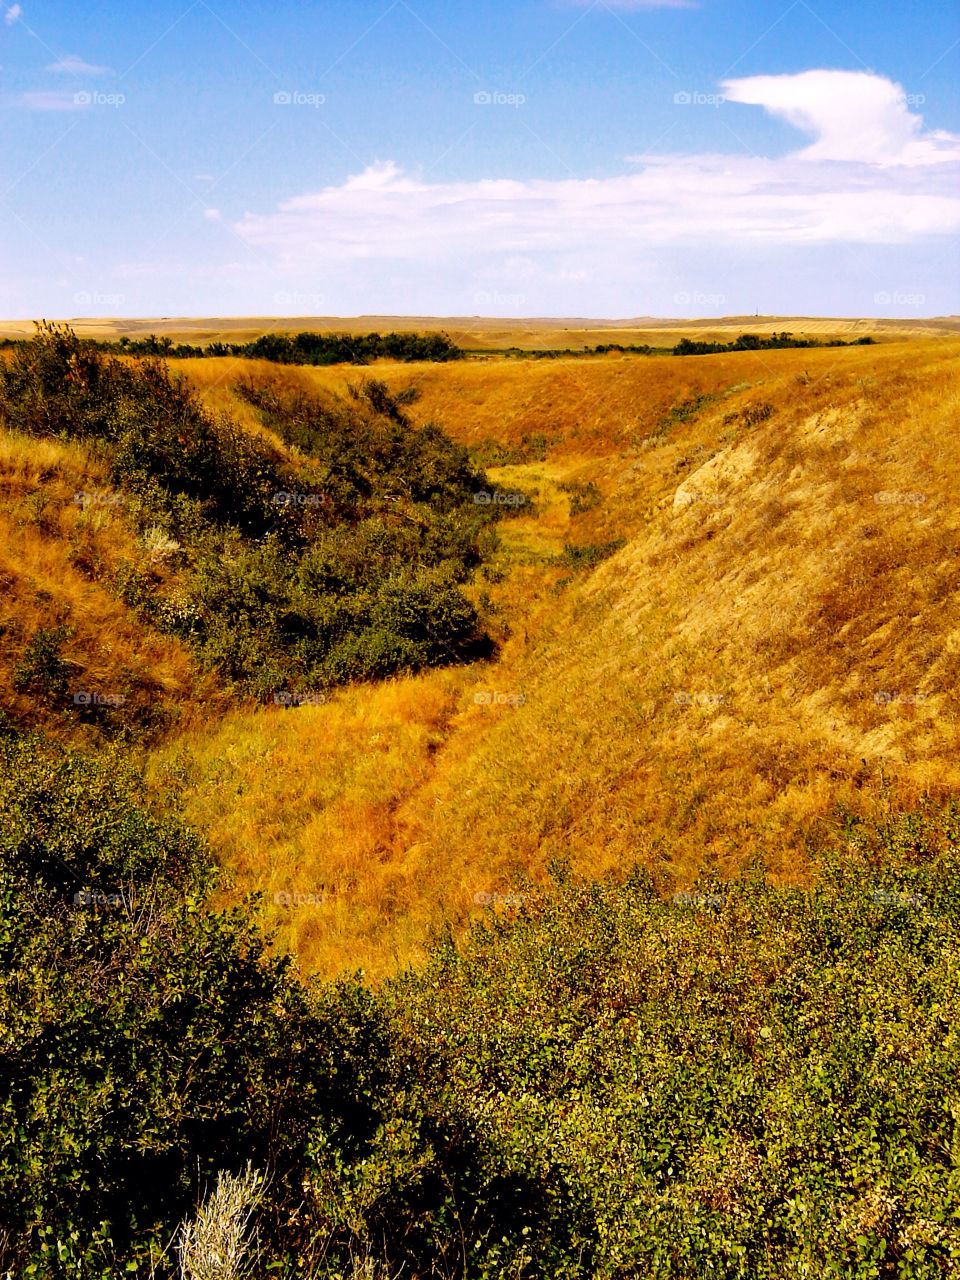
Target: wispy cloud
x=75 y=66
x=871 y=176
x=49 y=100
x=12 y=14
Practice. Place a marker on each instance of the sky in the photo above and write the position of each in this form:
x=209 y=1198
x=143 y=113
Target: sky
x=524 y=158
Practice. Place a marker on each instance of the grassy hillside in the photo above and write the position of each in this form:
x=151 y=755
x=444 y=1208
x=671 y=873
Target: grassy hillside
x=777 y=636
x=329 y=545
x=621 y=696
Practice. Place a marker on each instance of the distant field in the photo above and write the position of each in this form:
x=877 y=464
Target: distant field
x=481 y=333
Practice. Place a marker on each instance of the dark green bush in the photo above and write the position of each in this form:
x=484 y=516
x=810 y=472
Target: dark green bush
x=744 y=1081
x=305 y=569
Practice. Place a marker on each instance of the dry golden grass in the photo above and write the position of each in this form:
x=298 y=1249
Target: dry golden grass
x=760 y=577
x=486 y=333
x=57 y=558
x=781 y=599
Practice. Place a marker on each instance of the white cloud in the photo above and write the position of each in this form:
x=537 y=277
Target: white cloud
x=871 y=176
x=12 y=14
x=213 y=215
x=50 y=100
x=853 y=115
x=74 y=66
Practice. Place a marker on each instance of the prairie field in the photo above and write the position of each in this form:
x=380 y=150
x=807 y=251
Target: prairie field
x=484 y=818
x=723 y=616
x=776 y=641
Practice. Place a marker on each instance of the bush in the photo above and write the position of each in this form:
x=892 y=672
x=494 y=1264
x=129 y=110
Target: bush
x=744 y=1081
x=302 y=567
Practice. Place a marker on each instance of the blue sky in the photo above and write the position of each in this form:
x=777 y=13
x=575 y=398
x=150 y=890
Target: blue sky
x=531 y=157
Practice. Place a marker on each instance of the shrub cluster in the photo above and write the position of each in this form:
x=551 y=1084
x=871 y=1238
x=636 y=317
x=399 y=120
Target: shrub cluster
x=299 y=348
x=754 y=342
x=741 y=1081
x=342 y=558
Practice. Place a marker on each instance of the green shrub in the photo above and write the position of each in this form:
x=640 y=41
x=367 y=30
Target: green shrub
x=305 y=569
x=600 y=1081
x=41 y=669
x=587 y=555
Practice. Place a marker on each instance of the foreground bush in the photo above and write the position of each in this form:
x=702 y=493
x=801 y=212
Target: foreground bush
x=743 y=1082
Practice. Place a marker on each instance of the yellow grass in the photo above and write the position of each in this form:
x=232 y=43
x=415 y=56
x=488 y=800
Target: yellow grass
x=479 y=333
x=57 y=558
x=780 y=602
